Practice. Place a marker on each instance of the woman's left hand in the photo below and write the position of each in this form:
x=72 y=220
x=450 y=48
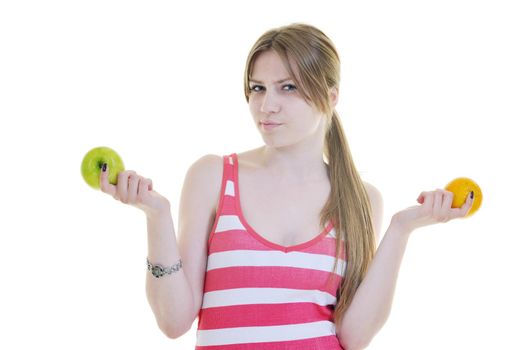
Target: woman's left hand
x=436 y=207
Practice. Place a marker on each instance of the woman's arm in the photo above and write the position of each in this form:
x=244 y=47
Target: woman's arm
x=177 y=299
x=372 y=302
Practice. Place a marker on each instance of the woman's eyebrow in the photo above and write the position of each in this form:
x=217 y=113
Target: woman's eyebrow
x=277 y=82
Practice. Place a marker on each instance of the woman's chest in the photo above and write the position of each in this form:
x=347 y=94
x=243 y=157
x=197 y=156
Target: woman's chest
x=283 y=214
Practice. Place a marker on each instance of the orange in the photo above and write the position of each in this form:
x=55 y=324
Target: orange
x=461 y=187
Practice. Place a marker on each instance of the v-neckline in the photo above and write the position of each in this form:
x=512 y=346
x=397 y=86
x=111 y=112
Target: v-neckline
x=256 y=235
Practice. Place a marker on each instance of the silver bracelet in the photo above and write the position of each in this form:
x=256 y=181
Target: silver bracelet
x=159 y=270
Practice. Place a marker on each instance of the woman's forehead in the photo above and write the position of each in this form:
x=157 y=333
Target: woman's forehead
x=269 y=67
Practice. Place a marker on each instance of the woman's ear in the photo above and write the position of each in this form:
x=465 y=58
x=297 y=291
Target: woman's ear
x=334 y=96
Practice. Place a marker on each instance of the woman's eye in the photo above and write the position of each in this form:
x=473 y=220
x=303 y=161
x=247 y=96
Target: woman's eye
x=290 y=87
x=256 y=88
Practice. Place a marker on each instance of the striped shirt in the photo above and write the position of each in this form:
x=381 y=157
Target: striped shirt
x=261 y=295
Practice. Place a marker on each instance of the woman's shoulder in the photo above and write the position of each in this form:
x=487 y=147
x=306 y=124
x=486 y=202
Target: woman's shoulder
x=376 y=199
x=376 y=202
x=206 y=172
x=211 y=165
x=203 y=179
x=207 y=163
x=371 y=189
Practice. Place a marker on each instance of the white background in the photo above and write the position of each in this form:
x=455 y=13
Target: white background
x=430 y=91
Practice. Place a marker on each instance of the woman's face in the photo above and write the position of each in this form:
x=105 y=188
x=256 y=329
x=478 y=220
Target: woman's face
x=274 y=97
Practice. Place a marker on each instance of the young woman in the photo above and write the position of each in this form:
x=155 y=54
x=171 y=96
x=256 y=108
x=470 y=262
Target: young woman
x=276 y=247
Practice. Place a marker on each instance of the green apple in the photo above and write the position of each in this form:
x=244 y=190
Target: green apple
x=92 y=166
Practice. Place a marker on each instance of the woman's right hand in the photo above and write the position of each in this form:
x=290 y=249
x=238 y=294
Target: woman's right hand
x=135 y=190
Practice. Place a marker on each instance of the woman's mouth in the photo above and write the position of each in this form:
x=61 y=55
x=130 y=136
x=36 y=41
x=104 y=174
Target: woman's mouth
x=270 y=126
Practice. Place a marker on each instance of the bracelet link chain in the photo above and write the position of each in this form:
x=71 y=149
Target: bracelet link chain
x=159 y=270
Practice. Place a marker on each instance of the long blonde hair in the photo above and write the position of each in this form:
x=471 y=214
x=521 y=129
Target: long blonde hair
x=348 y=205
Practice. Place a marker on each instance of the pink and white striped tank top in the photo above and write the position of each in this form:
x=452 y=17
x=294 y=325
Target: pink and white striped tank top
x=261 y=295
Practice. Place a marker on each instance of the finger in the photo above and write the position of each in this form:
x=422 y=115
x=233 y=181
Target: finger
x=447 y=200
x=105 y=186
x=466 y=206
x=122 y=185
x=463 y=210
x=145 y=186
x=438 y=200
x=133 y=186
x=446 y=213
x=421 y=198
x=428 y=203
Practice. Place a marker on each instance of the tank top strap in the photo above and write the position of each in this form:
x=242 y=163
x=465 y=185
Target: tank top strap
x=229 y=166
x=227 y=205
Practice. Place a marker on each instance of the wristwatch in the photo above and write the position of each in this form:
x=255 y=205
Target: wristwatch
x=159 y=270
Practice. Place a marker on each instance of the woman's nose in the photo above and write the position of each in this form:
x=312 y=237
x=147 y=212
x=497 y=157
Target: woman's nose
x=270 y=103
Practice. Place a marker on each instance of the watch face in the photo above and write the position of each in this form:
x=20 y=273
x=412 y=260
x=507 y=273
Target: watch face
x=157 y=271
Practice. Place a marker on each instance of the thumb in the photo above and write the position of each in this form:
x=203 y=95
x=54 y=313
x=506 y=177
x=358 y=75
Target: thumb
x=105 y=186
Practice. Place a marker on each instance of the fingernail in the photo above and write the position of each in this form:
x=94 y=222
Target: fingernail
x=104 y=167
x=471 y=194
